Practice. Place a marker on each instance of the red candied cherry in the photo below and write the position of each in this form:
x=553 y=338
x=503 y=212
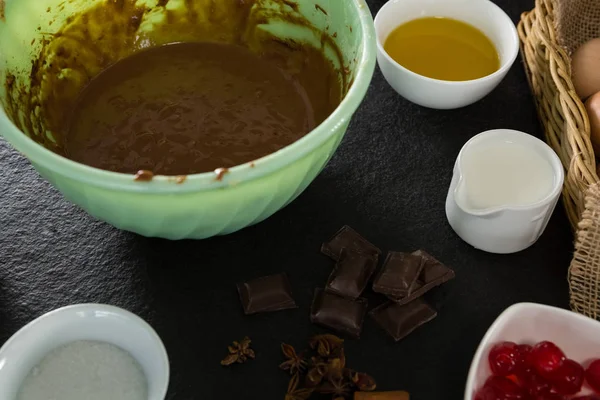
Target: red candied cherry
x=592 y=375
x=487 y=393
x=550 y=396
x=568 y=378
x=546 y=357
x=503 y=358
x=522 y=360
x=533 y=383
x=505 y=388
x=588 y=397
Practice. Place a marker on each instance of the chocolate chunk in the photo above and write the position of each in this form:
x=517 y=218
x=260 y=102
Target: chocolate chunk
x=399 y=274
x=350 y=239
x=338 y=313
x=401 y=320
x=434 y=274
x=351 y=273
x=270 y=293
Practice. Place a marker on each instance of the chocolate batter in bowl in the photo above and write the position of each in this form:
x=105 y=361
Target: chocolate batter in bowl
x=186 y=108
x=182 y=119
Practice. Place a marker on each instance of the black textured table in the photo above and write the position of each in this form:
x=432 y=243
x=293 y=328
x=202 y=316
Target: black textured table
x=388 y=180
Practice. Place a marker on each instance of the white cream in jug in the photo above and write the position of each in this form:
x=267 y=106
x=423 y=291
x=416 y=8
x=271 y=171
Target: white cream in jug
x=504 y=174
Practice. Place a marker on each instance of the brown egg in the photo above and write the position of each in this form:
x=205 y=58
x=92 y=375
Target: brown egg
x=592 y=106
x=586 y=68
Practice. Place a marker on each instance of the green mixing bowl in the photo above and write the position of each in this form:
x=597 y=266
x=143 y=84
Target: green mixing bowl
x=201 y=206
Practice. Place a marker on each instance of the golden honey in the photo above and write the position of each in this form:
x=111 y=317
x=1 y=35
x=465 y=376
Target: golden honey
x=443 y=48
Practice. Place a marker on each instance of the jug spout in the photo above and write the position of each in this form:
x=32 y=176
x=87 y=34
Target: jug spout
x=461 y=198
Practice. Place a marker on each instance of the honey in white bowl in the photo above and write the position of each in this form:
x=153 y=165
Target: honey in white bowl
x=443 y=48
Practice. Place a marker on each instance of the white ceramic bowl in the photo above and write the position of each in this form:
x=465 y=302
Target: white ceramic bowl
x=439 y=94
x=26 y=348
x=528 y=323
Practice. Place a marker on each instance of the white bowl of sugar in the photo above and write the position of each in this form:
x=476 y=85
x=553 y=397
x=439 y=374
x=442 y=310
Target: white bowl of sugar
x=87 y=351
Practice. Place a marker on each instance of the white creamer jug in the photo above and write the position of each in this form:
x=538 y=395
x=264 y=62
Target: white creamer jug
x=504 y=189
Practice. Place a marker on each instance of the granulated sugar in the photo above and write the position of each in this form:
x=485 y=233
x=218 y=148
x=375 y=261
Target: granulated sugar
x=85 y=370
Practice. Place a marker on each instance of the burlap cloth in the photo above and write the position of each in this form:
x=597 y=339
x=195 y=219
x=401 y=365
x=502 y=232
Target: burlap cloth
x=578 y=21
x=584 y=273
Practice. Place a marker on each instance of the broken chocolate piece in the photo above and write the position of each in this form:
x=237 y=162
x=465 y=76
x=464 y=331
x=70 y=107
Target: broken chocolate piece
x=267 y=294
x=351 y=273
x=401 y=320
x=350 y=239
x=338 y=313
x=433 y=274
x=433 y=269
x=398 y=274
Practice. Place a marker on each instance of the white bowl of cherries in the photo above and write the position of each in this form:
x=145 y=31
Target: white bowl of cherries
x=537 y=352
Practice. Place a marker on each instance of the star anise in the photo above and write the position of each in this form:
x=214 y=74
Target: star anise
x=316 y=374
x=239 y=352
x=326 y=344
x=324 y=371
x=335 y=369
x=295 y=392
x=338 y=388
x=295 y=363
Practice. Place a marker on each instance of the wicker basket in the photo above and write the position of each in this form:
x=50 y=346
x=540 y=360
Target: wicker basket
x=566 y=124
x=549 y=34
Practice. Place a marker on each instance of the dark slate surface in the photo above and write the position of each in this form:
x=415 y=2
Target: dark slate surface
x=388 y=180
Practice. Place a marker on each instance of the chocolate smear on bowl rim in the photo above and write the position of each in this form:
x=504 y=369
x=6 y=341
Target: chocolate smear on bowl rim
x=320 y=8
x=90 y=42
x=144 y=176
x=292 y=4
x=221 y=172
